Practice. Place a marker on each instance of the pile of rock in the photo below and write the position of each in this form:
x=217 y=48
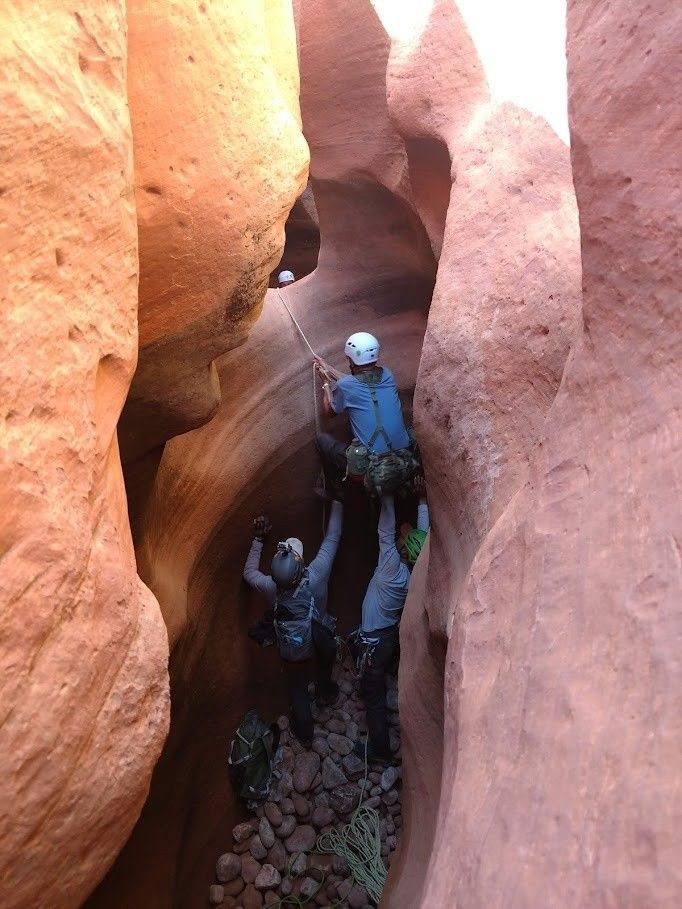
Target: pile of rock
x=274 y=853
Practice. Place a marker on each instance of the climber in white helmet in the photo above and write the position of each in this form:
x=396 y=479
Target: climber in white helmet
x=285 y=278
x=369 y=395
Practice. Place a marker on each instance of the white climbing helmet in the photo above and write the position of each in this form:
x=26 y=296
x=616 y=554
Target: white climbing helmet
x=285 y=277
x=362 y=348
x=295 y=544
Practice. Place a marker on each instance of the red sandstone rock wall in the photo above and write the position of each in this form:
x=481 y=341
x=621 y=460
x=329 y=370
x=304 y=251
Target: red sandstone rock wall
x=557 y=586
x=83 y=649
x=219 y=161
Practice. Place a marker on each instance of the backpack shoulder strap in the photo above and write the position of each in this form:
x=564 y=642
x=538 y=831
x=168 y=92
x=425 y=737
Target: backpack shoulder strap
x=371 y=380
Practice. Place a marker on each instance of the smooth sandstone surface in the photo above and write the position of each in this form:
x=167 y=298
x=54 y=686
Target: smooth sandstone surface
x=258 y=454
x=219 y=161
x=561 y=680
x=493 y=183
x=83 y=649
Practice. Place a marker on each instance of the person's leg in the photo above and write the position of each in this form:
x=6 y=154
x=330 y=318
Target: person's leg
x=298 y=677
x=325 y=651
x=373 y=688
x=333 y=456
x=331 y=450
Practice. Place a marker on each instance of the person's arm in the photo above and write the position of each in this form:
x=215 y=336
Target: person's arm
x=389 y=557
x=327 y=406
x=423 y=515
x=253 y=576
x=321 y=566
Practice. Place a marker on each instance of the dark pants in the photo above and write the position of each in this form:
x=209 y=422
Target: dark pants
x=333 y=456
x=373 y=688
x=298 y=676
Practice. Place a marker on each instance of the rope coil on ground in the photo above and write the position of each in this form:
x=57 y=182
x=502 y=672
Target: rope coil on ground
x=359 y=842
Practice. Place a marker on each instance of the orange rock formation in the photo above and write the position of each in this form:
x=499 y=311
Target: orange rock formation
x=83 y=682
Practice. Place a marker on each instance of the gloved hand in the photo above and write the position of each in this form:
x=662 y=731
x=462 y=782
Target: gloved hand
x=261 y=527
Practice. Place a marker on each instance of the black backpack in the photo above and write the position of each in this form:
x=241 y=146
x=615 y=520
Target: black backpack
x=294 y=613
x=251 y=754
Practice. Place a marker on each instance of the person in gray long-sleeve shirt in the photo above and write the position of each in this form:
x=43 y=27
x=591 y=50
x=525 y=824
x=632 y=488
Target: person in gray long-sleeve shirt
x=381 y=611
x=318 y=571
x=324 y=642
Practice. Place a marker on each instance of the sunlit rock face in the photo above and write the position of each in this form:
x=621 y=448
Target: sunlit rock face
x=219 y=161
x=549 y=594
x=83 y=648
x=491 y=180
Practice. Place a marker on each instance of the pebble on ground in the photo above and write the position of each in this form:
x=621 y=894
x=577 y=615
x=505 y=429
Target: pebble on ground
x=273 y=854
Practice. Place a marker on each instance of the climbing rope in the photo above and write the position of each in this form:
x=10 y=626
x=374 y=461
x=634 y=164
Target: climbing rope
x=359 y=842
x=329 y=373
x=325 y=368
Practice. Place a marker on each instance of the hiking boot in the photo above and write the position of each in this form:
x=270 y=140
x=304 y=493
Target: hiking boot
x=372 y=758
x=327 y=696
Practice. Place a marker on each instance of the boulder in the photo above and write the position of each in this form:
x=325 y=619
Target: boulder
x=266 y=833
x=228 y=867
x=339 y=743
x=332 y=775
x=302 y=839
x=306 y=767
x=268 y=878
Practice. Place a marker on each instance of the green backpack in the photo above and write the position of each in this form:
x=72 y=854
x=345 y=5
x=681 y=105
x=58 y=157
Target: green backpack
x=384 y=473
x=251 y=755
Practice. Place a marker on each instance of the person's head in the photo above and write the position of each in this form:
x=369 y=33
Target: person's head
x=362 y=350
x=287 y=564
x=284 y=278
x=410 y=544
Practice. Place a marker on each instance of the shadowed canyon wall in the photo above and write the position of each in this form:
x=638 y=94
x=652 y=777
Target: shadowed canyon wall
x=83 y=649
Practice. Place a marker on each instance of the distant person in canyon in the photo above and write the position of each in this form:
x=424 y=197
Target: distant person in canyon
x=381 y=452
x=376 y=641
x=297 y=618
x=284 y=278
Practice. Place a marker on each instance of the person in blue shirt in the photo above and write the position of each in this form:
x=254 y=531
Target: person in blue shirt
x=351 y=394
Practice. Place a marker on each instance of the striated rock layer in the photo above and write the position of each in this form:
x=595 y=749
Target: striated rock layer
x=83 y=649
x=553 y=574
x=219 y=161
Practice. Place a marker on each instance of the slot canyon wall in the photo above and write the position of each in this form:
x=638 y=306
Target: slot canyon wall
x=83 y=648
x=212 y=97
x=553 y=572
x=538 y=663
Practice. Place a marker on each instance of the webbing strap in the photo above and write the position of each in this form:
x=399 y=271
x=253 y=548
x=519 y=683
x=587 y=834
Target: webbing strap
x=371 y=380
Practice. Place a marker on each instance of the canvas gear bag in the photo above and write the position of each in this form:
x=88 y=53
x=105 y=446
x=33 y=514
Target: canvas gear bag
x=384 y=473
x=251 y=757
x=294 y=613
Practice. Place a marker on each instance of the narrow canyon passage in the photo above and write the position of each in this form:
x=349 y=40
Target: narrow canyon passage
x=191 y=805
x=487 y=187
x=379 y=205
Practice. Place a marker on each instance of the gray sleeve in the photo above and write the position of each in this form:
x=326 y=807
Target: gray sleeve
x=389 y=557
x=321 y=566
x=423 y=516
x=255 y=578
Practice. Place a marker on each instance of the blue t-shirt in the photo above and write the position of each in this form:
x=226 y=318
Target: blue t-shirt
x=354 y=396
